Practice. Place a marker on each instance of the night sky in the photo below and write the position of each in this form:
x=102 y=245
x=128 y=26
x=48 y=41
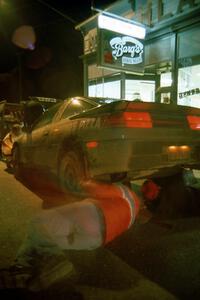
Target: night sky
x=57 y=47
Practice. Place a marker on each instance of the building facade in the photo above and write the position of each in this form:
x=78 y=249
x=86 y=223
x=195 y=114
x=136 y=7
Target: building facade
x=163 y=66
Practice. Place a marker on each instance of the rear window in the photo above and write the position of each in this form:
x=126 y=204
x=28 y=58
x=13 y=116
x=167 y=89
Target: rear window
x=76 y=106
x=104 y=100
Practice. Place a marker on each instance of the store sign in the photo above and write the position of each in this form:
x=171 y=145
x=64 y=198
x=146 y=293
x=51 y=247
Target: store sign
x=120 y=52
x=189 y=93
x=128 y=49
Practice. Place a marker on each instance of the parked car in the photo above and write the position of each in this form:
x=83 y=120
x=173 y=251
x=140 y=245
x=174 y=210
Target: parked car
x=10 y=113
x=84 y=137
x=8 y=142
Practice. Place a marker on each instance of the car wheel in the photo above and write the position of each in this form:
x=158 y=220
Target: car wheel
x=16 y=164
x=71 y=172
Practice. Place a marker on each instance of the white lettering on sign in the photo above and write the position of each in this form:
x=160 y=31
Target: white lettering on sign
x=189 y=93
x=127 y=45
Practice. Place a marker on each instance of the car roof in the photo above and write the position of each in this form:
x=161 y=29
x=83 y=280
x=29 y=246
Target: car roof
x=94 y=100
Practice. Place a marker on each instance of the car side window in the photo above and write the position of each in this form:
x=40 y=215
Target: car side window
x=76 y=106
x=47 y=116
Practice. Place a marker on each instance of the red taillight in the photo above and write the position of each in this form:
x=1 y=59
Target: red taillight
x=194 y=122
x=92 y=144
x=130 y=120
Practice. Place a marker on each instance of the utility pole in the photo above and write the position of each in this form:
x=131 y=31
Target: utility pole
x=19 y=76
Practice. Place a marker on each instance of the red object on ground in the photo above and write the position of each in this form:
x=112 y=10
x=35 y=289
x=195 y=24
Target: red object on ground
x=119 y=206
x=150 y=190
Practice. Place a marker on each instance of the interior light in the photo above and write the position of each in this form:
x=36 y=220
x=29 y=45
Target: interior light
x=122 y=27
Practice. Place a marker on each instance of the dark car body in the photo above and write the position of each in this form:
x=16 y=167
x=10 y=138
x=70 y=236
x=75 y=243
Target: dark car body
x=100 y=138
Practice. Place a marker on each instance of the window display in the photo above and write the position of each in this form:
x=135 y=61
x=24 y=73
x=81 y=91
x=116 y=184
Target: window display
x=189 y=68
x=189 y=86
x=107 y=89
x=140 y=89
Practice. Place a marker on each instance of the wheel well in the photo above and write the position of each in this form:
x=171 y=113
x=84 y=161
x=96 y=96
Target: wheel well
x=73 y=145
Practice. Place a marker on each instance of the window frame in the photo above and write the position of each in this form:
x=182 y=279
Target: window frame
x=36 y=125
x=92 y=105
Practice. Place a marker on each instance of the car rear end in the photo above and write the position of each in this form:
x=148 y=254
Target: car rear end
x=142 y=139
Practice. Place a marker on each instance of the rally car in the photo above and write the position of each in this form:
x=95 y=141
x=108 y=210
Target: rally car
x=84 y=137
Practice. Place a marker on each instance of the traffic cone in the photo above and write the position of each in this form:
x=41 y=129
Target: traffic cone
x=118 y=205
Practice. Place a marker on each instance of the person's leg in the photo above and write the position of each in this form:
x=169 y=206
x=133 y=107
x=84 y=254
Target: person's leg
x=38 y=250
x=38 y=243
x=75 y=226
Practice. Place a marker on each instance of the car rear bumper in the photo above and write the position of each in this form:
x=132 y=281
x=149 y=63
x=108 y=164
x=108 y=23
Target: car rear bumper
x=140 y=159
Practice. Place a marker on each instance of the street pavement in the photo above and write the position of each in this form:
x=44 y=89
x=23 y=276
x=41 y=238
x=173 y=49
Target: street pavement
x=166 y=248
x=166 y=252
x=153 y=252
x=18 y=205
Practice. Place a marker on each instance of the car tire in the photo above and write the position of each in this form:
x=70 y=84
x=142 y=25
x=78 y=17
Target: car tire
x=71 y=172
x=16 y=164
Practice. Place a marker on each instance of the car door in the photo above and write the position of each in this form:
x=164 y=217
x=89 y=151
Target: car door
x=62 y=128
x=39 y=136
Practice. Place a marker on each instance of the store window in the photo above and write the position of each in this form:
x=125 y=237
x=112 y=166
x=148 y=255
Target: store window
x=165 y=87
x=140 y=89
x=189 y=86
x=158 y=51
x=106 y=89
x=189 y=68
x=166 y=79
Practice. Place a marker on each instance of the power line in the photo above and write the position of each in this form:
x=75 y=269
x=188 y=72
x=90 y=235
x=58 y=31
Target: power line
x=57 y=11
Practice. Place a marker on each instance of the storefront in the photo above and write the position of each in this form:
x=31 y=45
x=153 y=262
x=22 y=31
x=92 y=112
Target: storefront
x=189 y=67
x=168 y=69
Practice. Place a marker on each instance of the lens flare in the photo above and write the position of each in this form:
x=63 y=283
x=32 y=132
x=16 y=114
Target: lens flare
x=24 y=37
